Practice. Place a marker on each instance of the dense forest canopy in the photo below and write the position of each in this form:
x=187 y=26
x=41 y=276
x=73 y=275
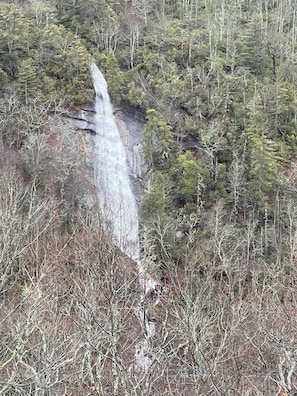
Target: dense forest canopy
x=216 y=81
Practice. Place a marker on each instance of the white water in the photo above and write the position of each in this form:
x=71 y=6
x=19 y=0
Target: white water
x=117 y=202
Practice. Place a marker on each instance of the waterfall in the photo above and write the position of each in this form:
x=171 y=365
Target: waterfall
x=117 y=203
x=116 y=199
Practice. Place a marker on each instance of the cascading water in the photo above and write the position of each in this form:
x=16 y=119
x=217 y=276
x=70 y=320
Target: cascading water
x=116 y=200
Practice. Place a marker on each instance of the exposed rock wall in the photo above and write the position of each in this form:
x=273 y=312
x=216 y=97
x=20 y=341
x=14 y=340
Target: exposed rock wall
x=130 y=123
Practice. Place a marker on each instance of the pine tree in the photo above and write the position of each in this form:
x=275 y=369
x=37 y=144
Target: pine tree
x=264 y=162
x=286 y=111
x=27 y=79
x=158 y=139
x=186 y=177
x=252 y=52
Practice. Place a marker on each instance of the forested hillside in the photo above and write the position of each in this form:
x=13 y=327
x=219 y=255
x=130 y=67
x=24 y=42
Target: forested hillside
x=216 y=81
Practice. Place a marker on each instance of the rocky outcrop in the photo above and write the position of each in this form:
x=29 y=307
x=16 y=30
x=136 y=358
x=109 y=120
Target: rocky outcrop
x=82 y=118
x=130 y=123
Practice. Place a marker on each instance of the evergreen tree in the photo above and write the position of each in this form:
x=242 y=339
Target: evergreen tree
x=264 y=162
x=158 y=140
x=186 y=175
x=252 y=51
x=27 y=79
x=286 y=113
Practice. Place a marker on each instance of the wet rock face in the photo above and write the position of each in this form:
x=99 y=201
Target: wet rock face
x=130 y=123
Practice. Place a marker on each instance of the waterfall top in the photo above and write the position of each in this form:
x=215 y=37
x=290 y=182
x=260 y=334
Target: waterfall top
x=99 y=82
